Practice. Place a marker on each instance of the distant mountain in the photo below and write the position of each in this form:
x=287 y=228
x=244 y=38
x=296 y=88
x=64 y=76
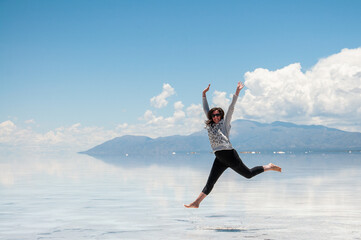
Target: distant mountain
x=245 y=136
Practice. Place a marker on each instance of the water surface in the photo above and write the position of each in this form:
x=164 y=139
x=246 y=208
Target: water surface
x=73 y=196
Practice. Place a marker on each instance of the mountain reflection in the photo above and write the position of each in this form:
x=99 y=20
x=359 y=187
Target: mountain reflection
x=171 y=160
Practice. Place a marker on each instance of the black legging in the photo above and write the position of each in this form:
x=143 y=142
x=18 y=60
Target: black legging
x=225 y=159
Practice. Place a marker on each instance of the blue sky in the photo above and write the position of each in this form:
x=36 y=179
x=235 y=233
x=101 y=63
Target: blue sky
x=98 y=63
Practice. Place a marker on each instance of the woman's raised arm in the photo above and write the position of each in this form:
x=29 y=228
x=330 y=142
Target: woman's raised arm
x=204 y=100
x=206 y=90
x=230 y=110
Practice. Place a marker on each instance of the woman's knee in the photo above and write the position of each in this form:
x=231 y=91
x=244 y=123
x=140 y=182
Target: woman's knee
x=248 y=175
x=242 y=170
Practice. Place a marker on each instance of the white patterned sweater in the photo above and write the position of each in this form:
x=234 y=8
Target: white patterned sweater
x=219 y=133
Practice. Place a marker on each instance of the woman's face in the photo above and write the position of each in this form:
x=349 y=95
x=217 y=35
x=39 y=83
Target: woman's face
x=216 y=116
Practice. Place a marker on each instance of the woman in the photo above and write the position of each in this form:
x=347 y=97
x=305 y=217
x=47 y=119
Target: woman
x=218 y=127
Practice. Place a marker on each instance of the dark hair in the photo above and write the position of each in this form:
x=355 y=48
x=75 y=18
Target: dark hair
x=209 y=115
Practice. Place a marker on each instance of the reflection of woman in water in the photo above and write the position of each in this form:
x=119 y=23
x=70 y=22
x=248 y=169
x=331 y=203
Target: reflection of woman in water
x=218 y=126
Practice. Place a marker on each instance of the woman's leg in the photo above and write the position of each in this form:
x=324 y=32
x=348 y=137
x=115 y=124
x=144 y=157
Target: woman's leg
x=232 y=158
x=217 y=169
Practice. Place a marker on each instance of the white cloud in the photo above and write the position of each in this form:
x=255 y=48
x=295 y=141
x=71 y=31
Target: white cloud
x=220 y=100
x=162 y=126
x=178 y=115
x=30 y=121
x=178 y=105
x=161 y=100
x=195 y=117
x=7 y=128
x=150 y=118
x=276 y=94
x=122 y=126
x=329 y=93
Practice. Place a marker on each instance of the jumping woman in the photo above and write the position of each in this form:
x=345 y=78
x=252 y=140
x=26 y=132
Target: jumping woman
x=218 y=126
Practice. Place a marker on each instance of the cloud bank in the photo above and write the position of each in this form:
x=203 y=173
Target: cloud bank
x=328 y=94
x=74 y=137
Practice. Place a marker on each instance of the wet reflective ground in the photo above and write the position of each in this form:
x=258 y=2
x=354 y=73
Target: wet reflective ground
x=73 y=196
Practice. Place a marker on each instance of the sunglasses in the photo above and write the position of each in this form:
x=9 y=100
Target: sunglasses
x=216 y=115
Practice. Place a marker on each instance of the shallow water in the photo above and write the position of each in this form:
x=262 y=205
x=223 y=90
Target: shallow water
x=73 y=196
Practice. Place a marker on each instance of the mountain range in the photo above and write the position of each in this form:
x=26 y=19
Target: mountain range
x=246 y=136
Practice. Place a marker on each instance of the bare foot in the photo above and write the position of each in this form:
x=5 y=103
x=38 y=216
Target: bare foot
x=272 y=167
x=196 y=203
x=192 y=205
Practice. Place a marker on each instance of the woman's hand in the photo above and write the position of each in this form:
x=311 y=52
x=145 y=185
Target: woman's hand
x=239 y=87
x=206 y=90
